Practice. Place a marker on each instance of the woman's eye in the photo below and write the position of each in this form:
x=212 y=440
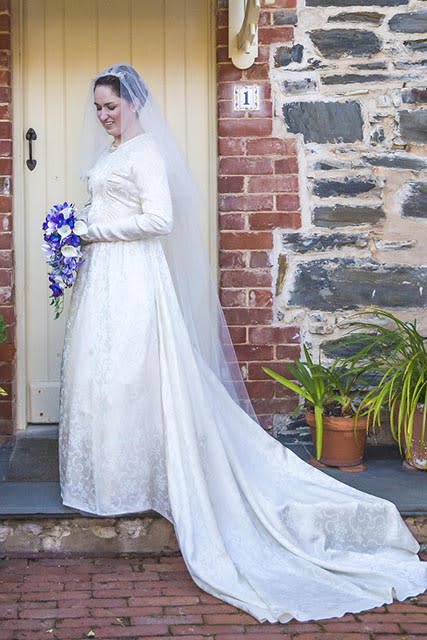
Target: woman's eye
x=108 y=108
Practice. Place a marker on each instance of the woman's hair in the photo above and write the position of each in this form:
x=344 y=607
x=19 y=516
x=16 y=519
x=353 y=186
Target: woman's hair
x=125 y=82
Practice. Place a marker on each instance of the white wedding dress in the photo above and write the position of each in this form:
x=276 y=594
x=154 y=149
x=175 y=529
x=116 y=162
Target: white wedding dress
x=146 y=425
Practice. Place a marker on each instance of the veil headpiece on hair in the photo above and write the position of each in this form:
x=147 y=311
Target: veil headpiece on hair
x=184 y=248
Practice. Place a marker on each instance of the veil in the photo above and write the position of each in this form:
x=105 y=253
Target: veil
x=184 y=248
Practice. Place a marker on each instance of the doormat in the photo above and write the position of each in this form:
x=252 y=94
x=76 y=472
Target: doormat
x=34 y=460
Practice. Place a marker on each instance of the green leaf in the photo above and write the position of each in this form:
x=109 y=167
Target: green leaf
x=3 y=330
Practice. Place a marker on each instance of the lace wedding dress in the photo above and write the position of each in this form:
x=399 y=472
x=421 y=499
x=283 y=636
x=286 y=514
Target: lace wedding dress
x=146 y=425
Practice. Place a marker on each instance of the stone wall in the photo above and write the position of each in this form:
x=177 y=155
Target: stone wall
x=148 y=534
x=349 y=90
x=37 y=536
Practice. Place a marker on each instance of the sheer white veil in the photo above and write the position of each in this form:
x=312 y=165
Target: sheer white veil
x=185 y=250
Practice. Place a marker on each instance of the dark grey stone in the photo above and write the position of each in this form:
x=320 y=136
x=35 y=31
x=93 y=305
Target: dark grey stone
x=357 y=3
x=297 y=52
x=342 y=347
x=349 y=78
x=335 y=43
x=397 y=161
x=325 y=121
x=282 y=57
x=325 y=166
x=346 y=187
x=285 y=17
x=315 y=63
x=304 y=242
x=369 y=17
x=415 y=204
x=346 y=283
x=286 y=55
x=416 y=45
x=302 y=85
x=412 y=22
x=404 y=64
x=413 y=125
x=341 y=215
x=329 y=165
x=414 y=96
x=377 y=136
x=370 y=66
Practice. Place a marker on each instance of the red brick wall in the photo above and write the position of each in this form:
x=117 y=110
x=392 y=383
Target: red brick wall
x=7 y=310
x=258 y=192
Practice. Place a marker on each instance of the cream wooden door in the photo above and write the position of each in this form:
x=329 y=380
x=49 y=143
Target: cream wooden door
x=63 y=43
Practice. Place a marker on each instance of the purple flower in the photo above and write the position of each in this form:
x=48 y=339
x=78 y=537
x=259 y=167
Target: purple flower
x=74 y=240
x=62 y=250
x=56 y=290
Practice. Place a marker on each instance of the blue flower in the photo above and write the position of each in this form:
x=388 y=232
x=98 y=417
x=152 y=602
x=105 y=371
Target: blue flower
x=74 y=240
x=62 y=251
x=56 y=290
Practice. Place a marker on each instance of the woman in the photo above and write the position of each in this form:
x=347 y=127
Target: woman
x=154 y=414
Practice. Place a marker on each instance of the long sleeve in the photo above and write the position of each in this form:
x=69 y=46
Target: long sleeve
x=148 y=173
x=83 y=212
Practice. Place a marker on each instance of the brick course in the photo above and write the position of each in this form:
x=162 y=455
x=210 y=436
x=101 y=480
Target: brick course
x=258 y=188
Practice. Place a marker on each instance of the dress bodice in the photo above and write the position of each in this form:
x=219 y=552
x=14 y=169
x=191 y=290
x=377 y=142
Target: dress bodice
x=129 y=193
x=124 y=182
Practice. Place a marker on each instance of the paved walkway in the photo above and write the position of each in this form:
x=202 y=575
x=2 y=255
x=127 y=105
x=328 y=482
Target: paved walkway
x=154 y=598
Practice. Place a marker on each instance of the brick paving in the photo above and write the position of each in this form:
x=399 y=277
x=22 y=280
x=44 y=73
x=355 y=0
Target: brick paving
x=155 y=598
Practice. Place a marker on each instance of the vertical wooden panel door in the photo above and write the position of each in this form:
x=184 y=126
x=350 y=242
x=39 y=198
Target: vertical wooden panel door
x=63 y=45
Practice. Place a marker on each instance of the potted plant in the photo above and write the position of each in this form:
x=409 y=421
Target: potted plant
x=330 y=396
x=402 y=387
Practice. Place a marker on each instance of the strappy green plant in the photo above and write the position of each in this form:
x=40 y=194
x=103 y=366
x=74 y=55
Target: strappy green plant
x=398 y=351
x=322 y=388
x=313 y=388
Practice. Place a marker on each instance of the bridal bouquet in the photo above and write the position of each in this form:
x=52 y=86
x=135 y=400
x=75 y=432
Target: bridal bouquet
x=61 y=234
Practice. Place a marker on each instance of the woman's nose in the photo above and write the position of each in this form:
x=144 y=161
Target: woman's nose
x=102 y=115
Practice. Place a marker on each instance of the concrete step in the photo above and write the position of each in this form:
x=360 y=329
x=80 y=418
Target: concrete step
x=38 y=535
x=144 y=534
x=33 y=519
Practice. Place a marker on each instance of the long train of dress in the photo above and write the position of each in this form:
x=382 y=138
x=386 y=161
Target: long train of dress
x=146 y=425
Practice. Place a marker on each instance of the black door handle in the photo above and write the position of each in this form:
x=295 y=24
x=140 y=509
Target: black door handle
x=30 y=136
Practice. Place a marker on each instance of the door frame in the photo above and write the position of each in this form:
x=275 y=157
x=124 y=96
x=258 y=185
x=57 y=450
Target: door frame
x=18 y=201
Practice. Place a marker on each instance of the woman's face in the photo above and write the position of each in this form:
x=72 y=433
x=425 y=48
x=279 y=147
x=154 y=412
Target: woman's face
x=115 y=114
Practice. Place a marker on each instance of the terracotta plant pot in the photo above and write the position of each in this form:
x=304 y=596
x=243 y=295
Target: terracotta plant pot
x=416 y=456
x=343 y=445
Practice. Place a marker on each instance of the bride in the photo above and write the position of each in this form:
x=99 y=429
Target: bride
x=154 y=414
